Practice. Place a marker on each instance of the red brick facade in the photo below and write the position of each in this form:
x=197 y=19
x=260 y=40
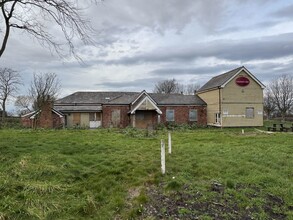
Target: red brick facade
x=181 y=115
x=107 y=119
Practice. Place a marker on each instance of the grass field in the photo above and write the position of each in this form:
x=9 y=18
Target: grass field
x=108 y=174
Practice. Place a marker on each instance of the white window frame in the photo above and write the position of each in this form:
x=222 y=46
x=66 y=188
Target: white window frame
x=218 y=118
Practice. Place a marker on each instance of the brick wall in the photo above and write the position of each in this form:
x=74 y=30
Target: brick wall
x=26 y=122
x=107 y=116
x=181 y=114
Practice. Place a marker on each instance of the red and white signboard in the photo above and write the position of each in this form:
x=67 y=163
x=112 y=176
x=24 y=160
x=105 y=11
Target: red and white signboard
x=242 y=81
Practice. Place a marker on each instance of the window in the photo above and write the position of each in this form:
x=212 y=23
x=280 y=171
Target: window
x=249 y=113
x=193 y=115
x=92 y=116
x=170 y=115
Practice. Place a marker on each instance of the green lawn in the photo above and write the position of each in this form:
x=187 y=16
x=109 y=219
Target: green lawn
x=107 y=174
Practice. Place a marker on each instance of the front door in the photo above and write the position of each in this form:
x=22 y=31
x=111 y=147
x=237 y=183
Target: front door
x=218 y=118
x=144 y=119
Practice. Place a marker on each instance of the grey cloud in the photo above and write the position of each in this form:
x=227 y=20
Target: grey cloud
x=170 y=72
x=286 y=12
x=270 y=47
x=240 y=27
x=131 y=85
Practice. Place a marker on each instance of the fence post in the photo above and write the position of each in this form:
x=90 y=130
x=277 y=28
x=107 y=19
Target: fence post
x=169 y=143
x=163 y=162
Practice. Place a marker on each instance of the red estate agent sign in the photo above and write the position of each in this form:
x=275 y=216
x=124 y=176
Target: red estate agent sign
x=242 y=81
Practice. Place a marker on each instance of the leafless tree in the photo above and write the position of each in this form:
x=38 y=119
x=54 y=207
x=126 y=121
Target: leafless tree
x=269 y=103
x=282 y=92
x=24 y=104
x=167 y=86
x=9 y=82
x=172 y=86
x=35 y=17
x=188 y=89
x=44 y=88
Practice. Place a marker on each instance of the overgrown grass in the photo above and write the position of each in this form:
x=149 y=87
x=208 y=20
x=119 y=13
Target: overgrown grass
x=107 y=174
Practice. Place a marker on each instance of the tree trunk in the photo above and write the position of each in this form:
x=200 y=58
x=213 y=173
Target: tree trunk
x=7 y=31
x=4 y=110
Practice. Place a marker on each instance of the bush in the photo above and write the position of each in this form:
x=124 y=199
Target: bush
x=11 y=122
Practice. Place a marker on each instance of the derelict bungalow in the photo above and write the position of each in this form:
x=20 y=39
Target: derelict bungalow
x=122 y=109
x=232 y=99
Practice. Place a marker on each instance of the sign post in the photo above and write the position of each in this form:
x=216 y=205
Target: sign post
x=169 y=143
x=163 y=158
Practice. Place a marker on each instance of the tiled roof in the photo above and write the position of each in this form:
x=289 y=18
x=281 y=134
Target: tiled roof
x=176 y=99
x=92 y=97
x=78 y=108
x=219 y=80
x=125 y=98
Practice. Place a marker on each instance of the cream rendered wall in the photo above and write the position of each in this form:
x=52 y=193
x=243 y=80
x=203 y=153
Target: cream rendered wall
x=213 y=106
x=235 y=99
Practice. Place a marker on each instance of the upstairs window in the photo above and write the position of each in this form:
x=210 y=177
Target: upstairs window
x=193 y=115
x=170 y=115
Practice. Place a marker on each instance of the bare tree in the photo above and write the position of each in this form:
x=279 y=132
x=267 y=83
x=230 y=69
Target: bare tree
x=35 y=17
x=189 y=89
x=24 y=104
x=9 y=82
x=269 y=103
x=172 y=86
x=44 y=88
x=282 y=92
x=167 y=86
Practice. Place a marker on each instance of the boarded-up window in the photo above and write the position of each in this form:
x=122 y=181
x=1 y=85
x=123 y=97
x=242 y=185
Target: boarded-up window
x=249 y=113
x=76 y=118
x=170 y=115
x=193 y=115
x=116 y=117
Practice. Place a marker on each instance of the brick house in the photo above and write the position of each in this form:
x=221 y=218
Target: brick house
x=122 y=109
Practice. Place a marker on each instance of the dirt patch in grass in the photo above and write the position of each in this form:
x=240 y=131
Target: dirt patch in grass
x=190 y=204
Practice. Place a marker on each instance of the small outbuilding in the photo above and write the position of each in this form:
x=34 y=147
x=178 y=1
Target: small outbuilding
x=47 y=117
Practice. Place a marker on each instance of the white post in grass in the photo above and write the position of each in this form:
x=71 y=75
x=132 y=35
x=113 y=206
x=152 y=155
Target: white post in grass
x=163 y=162
x=242 y=131
x=169 y=143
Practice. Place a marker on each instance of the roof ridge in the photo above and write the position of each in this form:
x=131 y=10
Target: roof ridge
x=228 y=72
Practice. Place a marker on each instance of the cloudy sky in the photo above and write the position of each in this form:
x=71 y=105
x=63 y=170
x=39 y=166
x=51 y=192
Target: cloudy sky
x=139 y=43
